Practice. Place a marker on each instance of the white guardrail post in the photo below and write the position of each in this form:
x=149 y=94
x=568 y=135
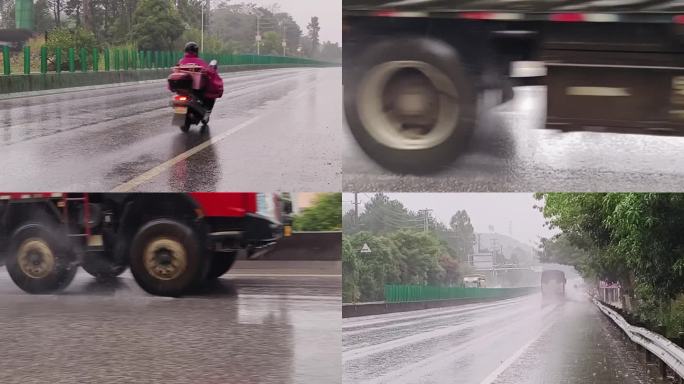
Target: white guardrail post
x=667 y=351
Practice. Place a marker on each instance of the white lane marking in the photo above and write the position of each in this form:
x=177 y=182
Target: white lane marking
x=373 y=349
x=156 y=171
x=363 y=321
x=508 y=362
x=400 y=323
x=414 y=372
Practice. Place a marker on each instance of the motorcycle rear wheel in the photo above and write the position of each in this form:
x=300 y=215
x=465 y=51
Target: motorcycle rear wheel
x=186 y=125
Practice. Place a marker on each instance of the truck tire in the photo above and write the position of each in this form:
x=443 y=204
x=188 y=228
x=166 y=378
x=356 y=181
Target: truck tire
x=101 y=268
x=39 y=260
x=220 y=264
x=410 y=104
x=166 y=258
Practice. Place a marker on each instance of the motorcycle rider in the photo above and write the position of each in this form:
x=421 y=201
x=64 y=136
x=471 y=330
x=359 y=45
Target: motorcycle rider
x=192 y=57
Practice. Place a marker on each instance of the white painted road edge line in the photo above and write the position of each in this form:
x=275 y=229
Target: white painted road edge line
x=156 y=171
x=352 y=322
x=508 y=362
x=415 y=372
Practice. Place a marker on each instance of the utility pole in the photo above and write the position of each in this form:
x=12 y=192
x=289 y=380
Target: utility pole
x=284 y=38
x=202 y=37
x=207 y=22
x=258 y=36
x=426 y=221
x=356 y=208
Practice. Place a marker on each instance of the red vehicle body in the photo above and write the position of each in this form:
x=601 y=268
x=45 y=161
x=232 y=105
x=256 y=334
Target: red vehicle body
x=172 y=242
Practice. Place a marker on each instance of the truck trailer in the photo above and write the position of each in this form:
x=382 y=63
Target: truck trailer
x=414 y=69
x=172 y=242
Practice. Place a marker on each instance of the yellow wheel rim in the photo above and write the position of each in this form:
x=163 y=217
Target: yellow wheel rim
x=35 y=258
x=165 y=259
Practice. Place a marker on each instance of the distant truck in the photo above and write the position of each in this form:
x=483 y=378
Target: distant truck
x=475 y=281
x=553 y=284
x=413 y=70
x=171 y=242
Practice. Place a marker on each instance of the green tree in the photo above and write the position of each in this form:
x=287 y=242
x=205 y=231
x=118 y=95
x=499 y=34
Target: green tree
x=42 y=17
x=560 y=250
x=314 y=29
x=401 y=251
x=70 y=38
x=463 y=234
x=367 y=273
x=7 y=14
x=156 y=25
x=324 y=215
x=634 y=238
x=271 y=44
x=331 y=52
x=351 y=268
x=64 y=38
x=191 y=12
x=382 y=215
x=349 y=224
x=211 y=44
x=419 y=254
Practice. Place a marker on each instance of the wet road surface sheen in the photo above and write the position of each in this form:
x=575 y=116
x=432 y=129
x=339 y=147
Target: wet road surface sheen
x=243 y=329
x=521 y=341
x=511 y=151
x=272 y=130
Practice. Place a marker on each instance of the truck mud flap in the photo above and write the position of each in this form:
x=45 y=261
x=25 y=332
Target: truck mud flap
x=614 y=98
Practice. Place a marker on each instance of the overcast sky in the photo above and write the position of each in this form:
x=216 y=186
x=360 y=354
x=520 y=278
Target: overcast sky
x=484 y=209
x=329 y=14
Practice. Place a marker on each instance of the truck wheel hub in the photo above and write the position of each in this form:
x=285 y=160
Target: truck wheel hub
x=408 y=105
x=165 y=259
x=35 y=258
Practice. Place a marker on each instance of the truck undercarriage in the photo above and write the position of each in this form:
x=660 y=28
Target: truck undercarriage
x=413 y=75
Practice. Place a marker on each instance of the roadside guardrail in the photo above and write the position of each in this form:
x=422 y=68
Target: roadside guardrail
x=397 y=301
x=667 y=351
x=54 y=70
x=67 y=59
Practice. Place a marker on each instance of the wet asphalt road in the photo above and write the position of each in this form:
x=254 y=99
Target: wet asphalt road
x=248 y=328
x=511 y=151
x=276 y=129
x=517 y=341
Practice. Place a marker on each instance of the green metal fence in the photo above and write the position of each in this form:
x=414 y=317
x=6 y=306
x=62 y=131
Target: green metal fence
x=407 y=293
x=95 y=60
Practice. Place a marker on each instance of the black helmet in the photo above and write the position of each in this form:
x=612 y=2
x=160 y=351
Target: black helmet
x=192 y=47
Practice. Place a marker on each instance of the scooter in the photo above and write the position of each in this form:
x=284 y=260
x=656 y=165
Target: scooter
x=188 y=81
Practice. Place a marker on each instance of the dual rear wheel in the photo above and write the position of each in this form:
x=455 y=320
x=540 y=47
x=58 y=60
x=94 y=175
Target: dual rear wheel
x=166 y=259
